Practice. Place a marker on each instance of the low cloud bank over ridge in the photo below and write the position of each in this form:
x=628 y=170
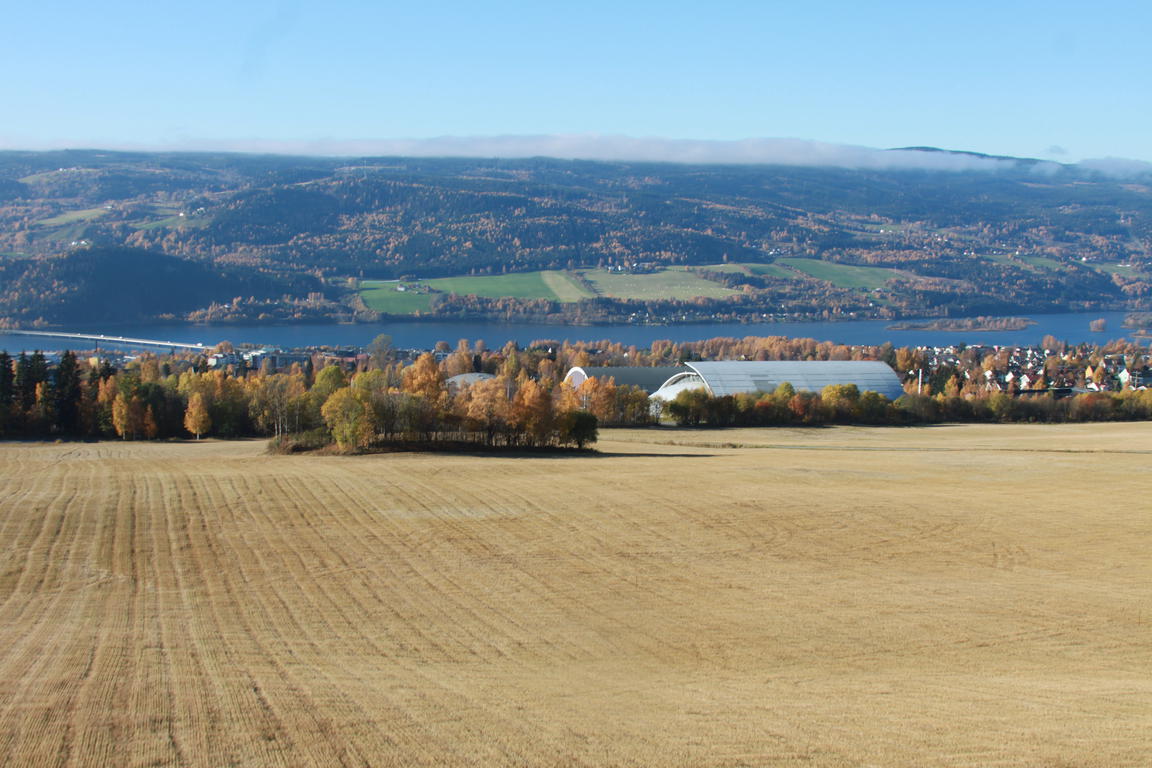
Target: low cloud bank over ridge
x=797 y=152
x=793 y=152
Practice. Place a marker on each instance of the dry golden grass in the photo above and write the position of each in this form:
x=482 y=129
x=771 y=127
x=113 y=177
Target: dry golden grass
x=955 y=596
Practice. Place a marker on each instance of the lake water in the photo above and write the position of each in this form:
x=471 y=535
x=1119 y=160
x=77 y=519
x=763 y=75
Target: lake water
x=1071 y=327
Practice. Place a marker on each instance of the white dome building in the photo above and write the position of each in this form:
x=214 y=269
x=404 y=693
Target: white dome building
x=732 y=377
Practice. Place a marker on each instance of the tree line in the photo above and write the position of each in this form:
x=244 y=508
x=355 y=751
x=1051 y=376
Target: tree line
x=525 y=403
x=846 y=404
x=159 y=398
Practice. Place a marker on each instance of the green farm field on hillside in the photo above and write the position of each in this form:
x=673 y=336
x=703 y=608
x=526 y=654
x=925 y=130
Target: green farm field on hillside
x=679 y=283
x=765 y=270
x=672 y=283
x=170 y=217
x=386 y=296
x=1043 y=264
x=71 y=217
x=842 y=275
x=173 y=222
x=1123 y=270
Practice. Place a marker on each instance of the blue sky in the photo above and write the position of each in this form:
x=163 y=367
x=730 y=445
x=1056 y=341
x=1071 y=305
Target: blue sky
x=1058 y=80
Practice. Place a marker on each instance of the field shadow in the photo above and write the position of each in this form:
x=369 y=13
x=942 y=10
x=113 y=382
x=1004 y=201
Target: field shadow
x=639 y=455
x=573 y=455
x=557 y=454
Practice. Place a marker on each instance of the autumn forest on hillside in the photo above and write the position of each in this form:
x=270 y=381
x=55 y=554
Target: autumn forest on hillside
x=90 y=236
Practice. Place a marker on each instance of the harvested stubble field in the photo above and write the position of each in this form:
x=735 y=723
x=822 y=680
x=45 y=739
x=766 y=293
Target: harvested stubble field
x=953 y=596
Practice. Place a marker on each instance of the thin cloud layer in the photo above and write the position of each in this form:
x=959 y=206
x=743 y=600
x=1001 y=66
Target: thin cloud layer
x=797 y=152
x=1117 y=167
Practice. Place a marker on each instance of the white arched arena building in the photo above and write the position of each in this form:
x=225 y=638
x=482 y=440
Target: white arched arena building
x=732 y=377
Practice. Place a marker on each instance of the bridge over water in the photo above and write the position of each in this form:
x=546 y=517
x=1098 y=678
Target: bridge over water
x=99 y=338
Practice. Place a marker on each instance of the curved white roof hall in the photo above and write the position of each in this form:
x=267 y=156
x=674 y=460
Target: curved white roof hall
x=731 y=377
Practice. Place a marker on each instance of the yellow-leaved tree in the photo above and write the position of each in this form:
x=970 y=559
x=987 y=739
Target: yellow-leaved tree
x=532 y=412
x=196 y=418
x=424 y=379
x=487 y=408
x=128 y=416
x=348 y=418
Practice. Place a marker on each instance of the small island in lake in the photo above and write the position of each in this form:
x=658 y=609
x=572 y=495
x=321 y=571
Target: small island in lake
x=1139 y=320
x=965 y=324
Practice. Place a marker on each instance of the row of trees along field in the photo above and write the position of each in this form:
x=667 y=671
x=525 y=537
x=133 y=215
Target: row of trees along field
x=24 y=411
x=160 y=398
x=846 y=404
x=524 y=405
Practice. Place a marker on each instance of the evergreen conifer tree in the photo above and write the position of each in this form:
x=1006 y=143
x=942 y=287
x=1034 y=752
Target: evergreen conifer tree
x=68 y=394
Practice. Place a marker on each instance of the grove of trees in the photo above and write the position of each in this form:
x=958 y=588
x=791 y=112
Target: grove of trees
x=155 y=399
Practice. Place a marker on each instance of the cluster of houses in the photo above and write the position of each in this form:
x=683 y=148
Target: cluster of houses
x=1023 y=369
x=353 y=358
x=257 y=358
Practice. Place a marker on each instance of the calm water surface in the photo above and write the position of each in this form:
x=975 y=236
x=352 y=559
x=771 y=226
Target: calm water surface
x=1072 y=327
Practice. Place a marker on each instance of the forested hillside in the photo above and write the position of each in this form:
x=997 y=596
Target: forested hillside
x=127 y=284
x=780 y=240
